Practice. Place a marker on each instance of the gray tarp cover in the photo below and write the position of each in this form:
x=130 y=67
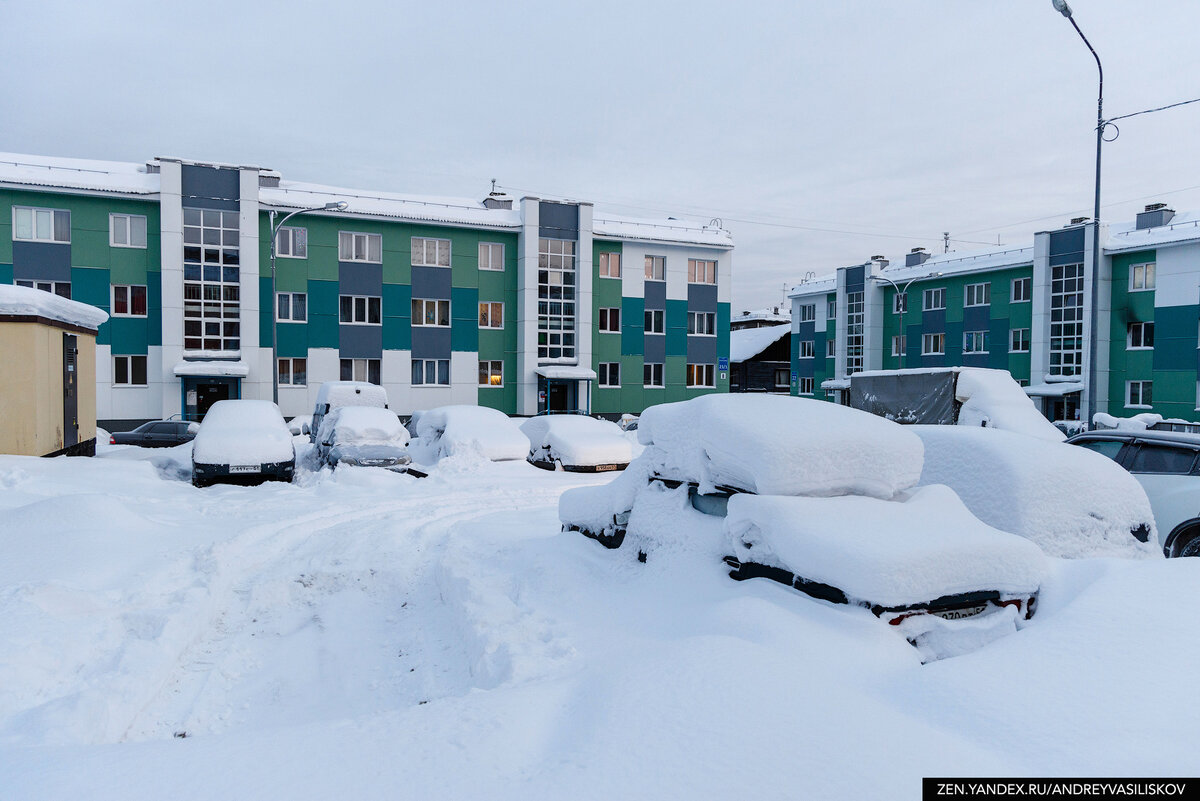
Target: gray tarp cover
x=925 y=398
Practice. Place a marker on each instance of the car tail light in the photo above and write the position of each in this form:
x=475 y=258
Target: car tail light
x=112 y=440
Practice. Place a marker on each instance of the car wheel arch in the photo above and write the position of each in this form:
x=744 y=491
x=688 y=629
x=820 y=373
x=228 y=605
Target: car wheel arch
x=1184 y=532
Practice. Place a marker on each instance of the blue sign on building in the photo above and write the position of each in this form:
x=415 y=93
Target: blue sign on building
x=723 y=363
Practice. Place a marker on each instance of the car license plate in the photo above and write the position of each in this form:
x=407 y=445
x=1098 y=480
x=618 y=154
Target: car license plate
x=959 y=614
x=243 y=468
x=601 y=468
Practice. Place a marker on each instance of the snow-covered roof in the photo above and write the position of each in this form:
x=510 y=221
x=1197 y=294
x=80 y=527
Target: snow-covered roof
x=100 y=176
x=209 y=368
x=746 y=343
x=1057 y=389
x=962 y=262
x=763 y=315
x=566 y=371
x=826 y=283
x=1124 y=236
x=22 y=301
x=836 y=383
x=665 y=230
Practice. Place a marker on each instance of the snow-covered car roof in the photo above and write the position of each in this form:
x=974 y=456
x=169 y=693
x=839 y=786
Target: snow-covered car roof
x=1068 y=500
x=457 y=429
x=363 y=425
x=776 y=445
x=578 y=440
x=243 y=432
x=351 y=393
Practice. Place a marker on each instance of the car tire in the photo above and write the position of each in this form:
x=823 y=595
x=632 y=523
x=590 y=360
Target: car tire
x=199 y=483
x=1186 y=545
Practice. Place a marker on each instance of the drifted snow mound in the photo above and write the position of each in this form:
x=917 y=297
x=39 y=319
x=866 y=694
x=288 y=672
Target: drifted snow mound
x=577 y=440
x=918 y=547
x=363 y=425
x=777 y=445
x=448 y=430
x=592 y=508
x=1068 y=500
x=992 y=398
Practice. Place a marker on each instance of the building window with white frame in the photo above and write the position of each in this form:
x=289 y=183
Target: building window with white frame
x=855 y=332
x=831 y=348
x=652 y=375
x=610 y=265
x=702 y=271
x=1140 y=336
x=806 y=349
x=293 y=372
x=899 y=303
x=1066 y=321
x=610 y=374
x=430 y=252
x=127 y=230
x=656 y=268
x=129 y=371
x=1018 y=340
x=360 y=310
x=491 y=256
x=701 y=375
x=359 y=370
x=808 y=312
x=428 y=312
x=360 y=247
x=491 y=314
x=934 y=299
x=654 y=321
x=556 y=299
x=977 y=294
x=430 y=372
x=1141 y=277
x=211 y=280
x=702 y=324
x=291 y=307
x=933 y=344
x=831 y=309
x=128 y=301
x=975 y=342
x=60 y=288
x=898 y=345
x=610 y=321
x=41 y=225
x=806 y=385
x=1022 y=290
x=1138 y=394
x=491 y=373
x=291 y=243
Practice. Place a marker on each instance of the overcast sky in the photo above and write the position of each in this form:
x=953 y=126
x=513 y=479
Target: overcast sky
x=821 y=133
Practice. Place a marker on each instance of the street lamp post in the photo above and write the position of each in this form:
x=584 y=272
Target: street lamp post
x=904 y=294
x=339 y=205
x=1061 y=7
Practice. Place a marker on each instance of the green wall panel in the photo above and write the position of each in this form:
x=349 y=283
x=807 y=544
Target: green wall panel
x=323 y=314
x=676 y=327
x=633 y=323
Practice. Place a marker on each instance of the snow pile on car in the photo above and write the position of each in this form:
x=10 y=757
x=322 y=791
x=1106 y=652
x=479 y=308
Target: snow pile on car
x=992 y=398
x=351 y=393
x=777 y=445
x=923 y=545
x=243 y=432
x=1138 y=422
x=451 y=430
x=363 y=425
x=576 y=440
x=1068 y=500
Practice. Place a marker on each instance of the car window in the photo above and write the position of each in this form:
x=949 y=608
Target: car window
x=145 y=428
x=165 y=428
x=1104 y=447
x=1162 y=459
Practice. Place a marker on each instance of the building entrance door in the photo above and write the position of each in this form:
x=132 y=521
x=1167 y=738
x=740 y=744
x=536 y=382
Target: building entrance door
x=207 y=394
x=556 y=397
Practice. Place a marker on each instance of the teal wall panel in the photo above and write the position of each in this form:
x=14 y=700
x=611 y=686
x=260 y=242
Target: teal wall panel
x=6 y=274
x=265 y=312
x=397 y=317
x=323 y=314
x=1175 y=330
x=154 y=308
x=633 y=326
x=464 y=319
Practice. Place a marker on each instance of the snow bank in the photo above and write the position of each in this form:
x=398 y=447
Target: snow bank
x=576 y=440
x=592 y=508
x=363 y=425
x=243 y=432
x=22 y=301
x=777 y=445
x=1070 y=501
x=894 y=553
x=449 y=430
x=992 y=398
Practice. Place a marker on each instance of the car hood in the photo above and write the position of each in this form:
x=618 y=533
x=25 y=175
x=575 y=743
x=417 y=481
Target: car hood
x=369 y=454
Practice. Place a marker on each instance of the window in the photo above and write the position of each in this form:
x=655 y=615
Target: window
x=1018 y=340
x=831 y=309
x=701 y=271
x=291 y=307
x=430 y=252
x=806 y=349
x=654 y=321
x=491 y=256
x=360 y=370
x=1141 y=277
x=431 y=313
x=129 y=371
x=129 y=301
x=1141 y=335
x=211 y=280
x=127 y=230
x=808 y=312
x=1022 y=289
x=702 y=323
x=975 y=342
x=41 y=225
x=977 y=295
x=292 y=243
x=491 y=314
x=701 y=375
x=1105 y=447
x=1137 y=393
x=293 y=372
x=1066 y=319
x=806 y=386
x=1162 y=459
x=427 y=372
x=360 y=247
x=362 y=310
x=60 y=288
x=610 y=321
x=855 y=338
x=656 y=268
x=610 y=265
x=491 y=374
x=781 y=378
x=556 y=299
x=899 y=303
x=652 y=374
x=933 y=344
x=610 y=374
x=934 y=299
x=830 y=348
x=898 y=345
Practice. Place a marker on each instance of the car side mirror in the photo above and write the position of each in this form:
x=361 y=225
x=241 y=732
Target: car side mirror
x=193 y=428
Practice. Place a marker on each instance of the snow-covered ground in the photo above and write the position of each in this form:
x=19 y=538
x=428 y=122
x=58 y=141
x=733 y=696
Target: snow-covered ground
x=368 y=634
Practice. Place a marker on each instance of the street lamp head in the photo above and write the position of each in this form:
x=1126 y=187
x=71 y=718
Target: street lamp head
x=1062 y=8
x=339 y=205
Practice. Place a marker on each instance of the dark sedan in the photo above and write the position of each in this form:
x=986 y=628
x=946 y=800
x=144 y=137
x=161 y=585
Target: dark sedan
x=157 y=434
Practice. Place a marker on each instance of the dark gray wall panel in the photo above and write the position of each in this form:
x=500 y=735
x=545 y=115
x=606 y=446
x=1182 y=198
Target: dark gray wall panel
x=430 y=343
x=933 y=322
x=976 y=318
x=1066 y=247
x=210 y=187
x=355 y=278
x=702 y=350
x=656 y=295
x=431 y=282
x=702 y=297
x=360 y=341
x=855 y=278
x=655 y=346
x=48 y=261
x=558 y=220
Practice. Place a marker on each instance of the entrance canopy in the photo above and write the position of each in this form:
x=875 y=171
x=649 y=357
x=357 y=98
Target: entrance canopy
x=1058 y=389
x=213 y=368
x=566 y=372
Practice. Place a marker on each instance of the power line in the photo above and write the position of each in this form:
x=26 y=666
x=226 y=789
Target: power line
x=1149 y=110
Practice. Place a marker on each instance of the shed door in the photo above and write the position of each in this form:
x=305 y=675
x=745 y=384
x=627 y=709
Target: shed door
x=70 y=391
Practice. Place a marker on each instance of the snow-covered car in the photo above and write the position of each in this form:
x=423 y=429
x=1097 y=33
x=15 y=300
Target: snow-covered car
x=1165 y=464
x=579 y=443
x=242 y=442
x=334 y=394
x=365 y=436
x=821 y=498
x=450 y=430
x=301 y=425
x=1070 y=502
